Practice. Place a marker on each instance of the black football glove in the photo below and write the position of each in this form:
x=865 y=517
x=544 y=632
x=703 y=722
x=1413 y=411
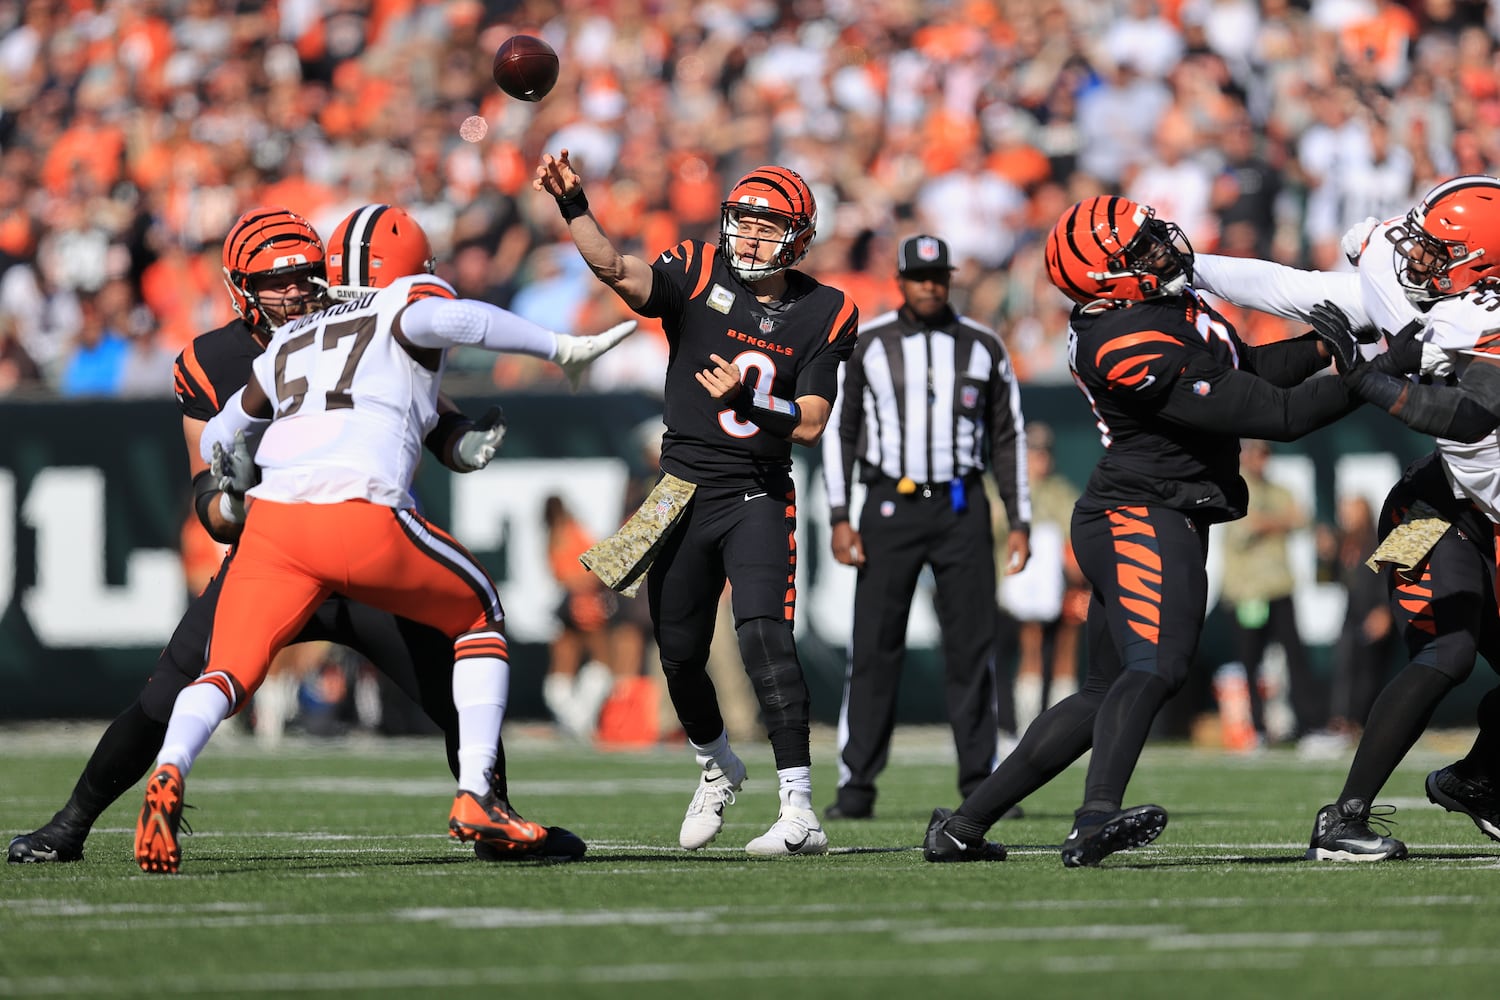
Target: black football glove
x=1403 y=350
x=1340 y=337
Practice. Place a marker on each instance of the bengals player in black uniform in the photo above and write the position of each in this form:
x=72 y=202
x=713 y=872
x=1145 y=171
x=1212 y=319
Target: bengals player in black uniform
x=274 y=270
x=1172 y=389
x=753 y=369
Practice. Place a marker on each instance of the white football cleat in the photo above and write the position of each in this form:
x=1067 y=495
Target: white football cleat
x=574 y=354
x=796 y=831
x=705 y=814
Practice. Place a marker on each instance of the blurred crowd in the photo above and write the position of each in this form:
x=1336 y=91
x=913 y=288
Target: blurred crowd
x=132 y=132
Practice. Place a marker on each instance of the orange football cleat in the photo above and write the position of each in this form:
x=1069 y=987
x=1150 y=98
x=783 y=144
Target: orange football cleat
x=156 y=847
x=489 y=819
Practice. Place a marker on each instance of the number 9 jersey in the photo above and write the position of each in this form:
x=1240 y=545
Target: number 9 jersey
x=789 y=348
x=352 y=403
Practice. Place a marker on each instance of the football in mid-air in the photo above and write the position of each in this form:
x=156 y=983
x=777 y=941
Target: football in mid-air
x=525 y=67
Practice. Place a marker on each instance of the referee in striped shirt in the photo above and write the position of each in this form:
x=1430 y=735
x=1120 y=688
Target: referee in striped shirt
x=928 y=405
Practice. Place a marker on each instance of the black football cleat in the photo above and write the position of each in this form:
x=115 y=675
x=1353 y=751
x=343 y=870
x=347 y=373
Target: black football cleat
x=60 y=839
x=49 y=844
x=1095 y=836
x=1476 y=798
x=1342 y=833
x=945 y=844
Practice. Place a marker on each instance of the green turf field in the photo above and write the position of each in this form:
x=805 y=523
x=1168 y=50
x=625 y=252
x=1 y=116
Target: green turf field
x=324 y=869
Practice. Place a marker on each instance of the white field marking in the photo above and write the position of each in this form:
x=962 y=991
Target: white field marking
x=439 y=788
x=1293 y=939
x=359 y=982
x=70 y=908
x=271 y=920
x=1085 y=932
x=1424 y=958
x=40 y=909
x=729 y=920
x=873 y=925
x=1209 y=903
x=1093 y=965
x=1071 y=966
x=488 y=918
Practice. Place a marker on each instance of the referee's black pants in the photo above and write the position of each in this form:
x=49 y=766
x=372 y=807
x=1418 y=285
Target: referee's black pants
x=901 y=534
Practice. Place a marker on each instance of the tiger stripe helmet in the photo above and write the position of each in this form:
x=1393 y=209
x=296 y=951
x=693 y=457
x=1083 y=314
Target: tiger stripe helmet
x=1110 y=250
x=779 y=193
x=268 y=242
x=1443 y=246
x=372 y=247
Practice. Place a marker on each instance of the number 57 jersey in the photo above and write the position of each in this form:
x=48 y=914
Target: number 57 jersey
x=352 y=405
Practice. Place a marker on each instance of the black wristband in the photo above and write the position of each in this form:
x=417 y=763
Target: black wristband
x=770 y=413
x=448 y=424
x=573 y=206
x=205 y=495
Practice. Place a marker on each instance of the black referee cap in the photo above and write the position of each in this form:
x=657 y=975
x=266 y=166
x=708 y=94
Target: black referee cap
x=923 y=253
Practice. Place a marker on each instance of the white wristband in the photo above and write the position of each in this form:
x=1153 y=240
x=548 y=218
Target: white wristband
x=231 y=508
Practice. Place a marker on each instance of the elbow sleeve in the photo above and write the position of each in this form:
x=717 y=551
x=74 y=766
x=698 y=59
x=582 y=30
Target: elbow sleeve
x=437 y=323
x=1288 y=362
x=1247 y=406
x=1463 y=412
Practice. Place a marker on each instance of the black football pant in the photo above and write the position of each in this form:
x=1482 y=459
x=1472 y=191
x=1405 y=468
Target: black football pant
x=418 y=659
x=1445 y=612
x=1150 y=591
x=901 y=534
x=747 y=537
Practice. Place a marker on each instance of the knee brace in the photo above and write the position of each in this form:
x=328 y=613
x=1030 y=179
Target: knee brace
x=676 y=668
x=771 y=662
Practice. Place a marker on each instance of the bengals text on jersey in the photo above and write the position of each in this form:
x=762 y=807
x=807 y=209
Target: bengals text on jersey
x=788 y=349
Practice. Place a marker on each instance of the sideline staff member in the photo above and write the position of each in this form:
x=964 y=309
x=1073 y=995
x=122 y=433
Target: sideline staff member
x=928 y=403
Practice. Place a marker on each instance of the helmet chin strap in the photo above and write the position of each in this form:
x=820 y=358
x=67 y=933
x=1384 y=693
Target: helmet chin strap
x=757 y=273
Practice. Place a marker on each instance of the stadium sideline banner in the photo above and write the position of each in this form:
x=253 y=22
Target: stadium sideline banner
x=93 y=497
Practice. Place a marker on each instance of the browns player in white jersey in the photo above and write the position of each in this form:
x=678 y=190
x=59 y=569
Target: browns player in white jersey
x=338 y=405
x=1431 y=281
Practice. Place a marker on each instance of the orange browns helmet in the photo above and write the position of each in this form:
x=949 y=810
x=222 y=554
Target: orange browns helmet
x=268 y=242
x=777 y=192
x=1109 y=250
x=1450 y=241
x=373 y=247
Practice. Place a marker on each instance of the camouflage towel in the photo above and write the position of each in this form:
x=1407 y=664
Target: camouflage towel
x=1410 y=541
x=621 y=560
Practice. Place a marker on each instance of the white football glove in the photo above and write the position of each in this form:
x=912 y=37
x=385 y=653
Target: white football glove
x=1436 y=361
x=1353 y=242
x=575 y=354
x=235 y=472
x=234 y=469
x=477 y=445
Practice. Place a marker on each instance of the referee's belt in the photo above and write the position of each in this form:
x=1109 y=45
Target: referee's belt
x=908 y=487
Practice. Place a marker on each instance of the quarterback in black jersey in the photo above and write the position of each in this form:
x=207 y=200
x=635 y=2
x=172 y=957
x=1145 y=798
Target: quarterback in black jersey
x=753 y=369
x=1172 y=389
x=273 y=266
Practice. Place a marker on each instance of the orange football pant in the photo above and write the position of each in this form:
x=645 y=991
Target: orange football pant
x=291 y=557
